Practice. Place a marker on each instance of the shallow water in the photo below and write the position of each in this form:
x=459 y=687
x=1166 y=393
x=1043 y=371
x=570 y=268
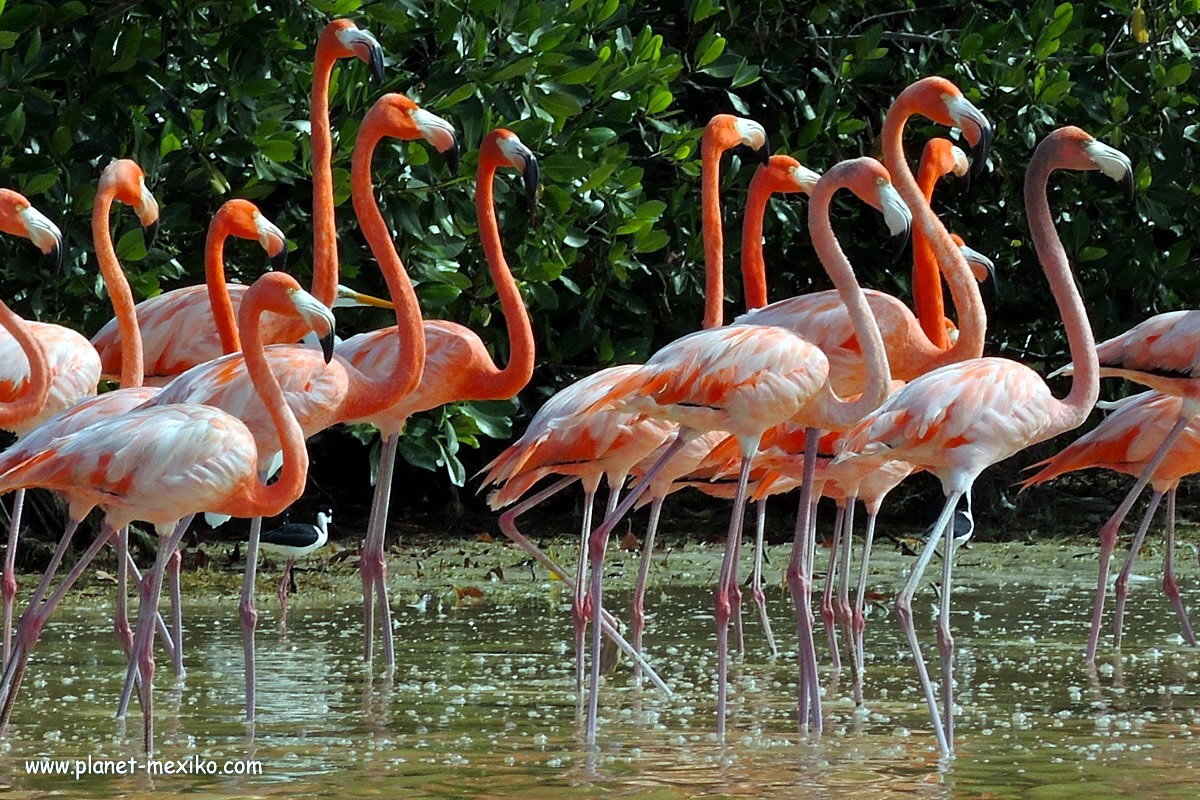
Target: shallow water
x=483 y=704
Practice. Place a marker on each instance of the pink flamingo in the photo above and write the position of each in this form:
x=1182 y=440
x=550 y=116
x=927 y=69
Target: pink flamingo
x=176 y=326
x=322 y=395
x=745 y=379
x=162 y=464
x=1126 y=441
x=959 y=419
x=72 y=361
x=457 y=367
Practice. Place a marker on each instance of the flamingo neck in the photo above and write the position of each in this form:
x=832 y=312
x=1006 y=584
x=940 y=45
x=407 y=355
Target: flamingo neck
x=32 y=399
x=754 y=268
x=1085 y=380
x=501 y=384
x=840 y=414
x=218 y=290
x=132 y=360
x=964 y=291
x=268 y=500
x=325 y=255
x=369 y=396
x=714 y=236
x=926 y=278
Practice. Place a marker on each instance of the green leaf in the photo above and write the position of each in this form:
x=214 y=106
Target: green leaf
x=131 y=246
x=39 y=184
x=8 y=39
x=660 y=102
x=709 y=49
x=280 y=151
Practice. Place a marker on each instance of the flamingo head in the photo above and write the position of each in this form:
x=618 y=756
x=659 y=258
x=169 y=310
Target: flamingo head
x=401 y=118
x=1077 y=149
x=280 y=293
x=502 y=146
x=784 y=174
x=19 y=218
x=982 y=267
x=725 y=132
x=343 y=39
x=243 y=220
x=872 y=183
x=128 y=183
x=944 y=103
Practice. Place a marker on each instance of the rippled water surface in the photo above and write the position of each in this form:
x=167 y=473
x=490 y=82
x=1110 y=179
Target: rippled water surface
x=483 y=703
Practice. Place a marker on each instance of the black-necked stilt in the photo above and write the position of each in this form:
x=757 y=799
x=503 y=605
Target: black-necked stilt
x=292 y=541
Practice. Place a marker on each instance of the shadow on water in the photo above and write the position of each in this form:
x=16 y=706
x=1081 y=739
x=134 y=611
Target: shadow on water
x=482 y=703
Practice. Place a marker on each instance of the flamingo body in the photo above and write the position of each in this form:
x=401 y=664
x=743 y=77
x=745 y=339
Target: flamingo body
x=73 y=364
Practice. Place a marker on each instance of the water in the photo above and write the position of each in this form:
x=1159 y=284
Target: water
x=483 y=705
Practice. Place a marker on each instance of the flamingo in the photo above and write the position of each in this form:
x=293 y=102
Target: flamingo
x=959 y=419
x=323 y=395
x=176 y=326
x=1126 y=441
x=745 y=379
x=457 y=367
x=73 y=364
x=566 y=437
x=162 y=464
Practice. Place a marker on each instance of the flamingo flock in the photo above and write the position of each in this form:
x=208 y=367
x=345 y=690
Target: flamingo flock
x=841 y=394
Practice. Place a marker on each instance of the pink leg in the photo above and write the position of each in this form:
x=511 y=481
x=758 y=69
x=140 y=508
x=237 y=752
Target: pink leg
x=160 y=625
x=30 y=624
x=841 y=611
x=249 y=613
x=283 y=594
x=756 y=583
x=374 y=562
x=10 y=570
x=174 y=563
x=860 y=620
x=581 y=610
x=735 y=593
x=799 y=577
x=1111 y=528
x=903 y=608
x=637 y=610
x=835 y=548
x=1169 y=586
x=121 y=625
x=1121 y=591
x=945 y=637
x=597 y=543
x=726 y=582
x=607 y=623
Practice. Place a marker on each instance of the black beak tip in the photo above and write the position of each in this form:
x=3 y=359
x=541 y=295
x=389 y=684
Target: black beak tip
x=1127 y=186
x=531 y=173
x=980 y=154
x=898 y=244
x=375 y=62
x=991 y=285
x=279 y=260
x=451 y=154
x=56 y=257
x=150 y=234
x=764 y=153
x=327 y=346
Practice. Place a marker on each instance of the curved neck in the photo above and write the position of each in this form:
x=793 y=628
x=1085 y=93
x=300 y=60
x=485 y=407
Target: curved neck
x=501 y=384
x=325 y=256
x=714 y=236
x=368 y=396
x=1085 y=381
x=218 y=289
x=754 y=268
x=964 y=291
x=268 y=500
x=926 y=278
x=842 y=414
x=132 y=363
x=32 y=399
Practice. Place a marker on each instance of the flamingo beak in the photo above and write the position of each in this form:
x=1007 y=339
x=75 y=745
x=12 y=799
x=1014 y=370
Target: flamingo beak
x=45 y=235
x=327 y=342
x=531 y=173
x=979 y=152
x=375 y=62
x=150 y=233
x=279 y=260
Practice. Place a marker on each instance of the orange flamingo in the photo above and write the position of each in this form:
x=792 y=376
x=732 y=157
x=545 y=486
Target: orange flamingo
x=959 y=419
x=565 y=437
x=322 y=395
x=73 y=364
x=745 y=379
x=162 y=464
x=176 y=326
x=457 y=367
x=1125 y=442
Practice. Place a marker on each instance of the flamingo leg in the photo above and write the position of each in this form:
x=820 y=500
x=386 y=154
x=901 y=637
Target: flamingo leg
x=174 y=564
x=1169 y=586
x=799 y=577
x=249 y=613
x=121 y=625
x=945 y=637
x=842 y=613
x=607 y=623
x=903 y=608
x=860 y=620
x=284 y=585
x=637 y=610
x=30 y=624
x=1111 y=528
x=160 y=625
x=827 y=617
x=10 y=570
x=374 y=561
x=726 y=582
x=597 y=543
x=756 y=583
x=1121 y=591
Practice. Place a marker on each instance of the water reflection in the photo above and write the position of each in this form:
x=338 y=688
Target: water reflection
x=482 y=702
